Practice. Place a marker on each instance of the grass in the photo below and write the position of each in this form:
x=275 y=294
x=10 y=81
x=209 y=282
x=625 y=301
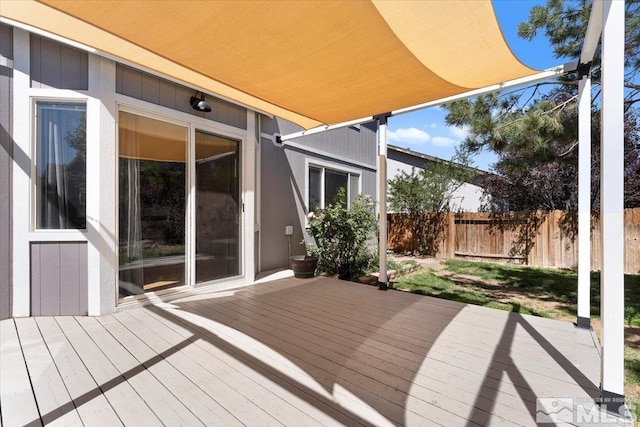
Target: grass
x=533 y=283
x=472 y=282
x=394 y=265
x=559 y=285
x=632 y=379
x=430 y=284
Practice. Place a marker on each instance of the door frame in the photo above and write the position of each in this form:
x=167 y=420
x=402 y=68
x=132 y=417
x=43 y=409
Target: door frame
x=192 y=123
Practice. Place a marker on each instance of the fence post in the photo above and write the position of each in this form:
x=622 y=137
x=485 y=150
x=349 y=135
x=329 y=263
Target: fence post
x=451 y=235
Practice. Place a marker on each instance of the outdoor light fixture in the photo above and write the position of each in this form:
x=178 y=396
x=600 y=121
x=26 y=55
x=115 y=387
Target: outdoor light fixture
x=199 y=103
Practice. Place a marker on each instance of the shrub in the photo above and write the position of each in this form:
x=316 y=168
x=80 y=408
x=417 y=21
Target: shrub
x=341 y=235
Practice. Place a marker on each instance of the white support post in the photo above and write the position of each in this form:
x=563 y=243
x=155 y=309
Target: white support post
x=584 y=202
x=612 y=207
x=21 y=174
x=382 y=200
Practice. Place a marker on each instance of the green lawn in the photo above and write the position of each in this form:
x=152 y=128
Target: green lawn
x=430 y=284
x=539 y=285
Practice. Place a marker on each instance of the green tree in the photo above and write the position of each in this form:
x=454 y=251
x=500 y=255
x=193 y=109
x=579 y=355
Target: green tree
x=534 y=131
x=423 y=195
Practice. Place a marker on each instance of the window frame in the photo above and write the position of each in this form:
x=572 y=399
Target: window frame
x=323 y=166
x=35 y=162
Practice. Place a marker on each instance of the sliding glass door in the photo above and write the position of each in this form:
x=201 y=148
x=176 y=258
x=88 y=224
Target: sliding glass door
x=217 y=203
x=159 y=247
x=152 y=213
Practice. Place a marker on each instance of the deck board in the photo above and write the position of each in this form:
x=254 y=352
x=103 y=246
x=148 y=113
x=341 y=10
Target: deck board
x=300 y=388
x=293 y=352
x=127 y=403
x=364 y=376
x=204 y=373
x=239 y=346
x=163 y=384
x=16 y=395
x=54 y=401
x=147 y=386
x=94 y=409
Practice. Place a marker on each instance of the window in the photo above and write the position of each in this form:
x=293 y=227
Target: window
x=61 y=170
x=324 y=184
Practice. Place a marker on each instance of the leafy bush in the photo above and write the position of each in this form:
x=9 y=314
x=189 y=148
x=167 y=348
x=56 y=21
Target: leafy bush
x=341 y=236
x=424 y=195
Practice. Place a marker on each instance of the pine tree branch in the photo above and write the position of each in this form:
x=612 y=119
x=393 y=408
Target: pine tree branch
x=569 y=150
x=557 y=107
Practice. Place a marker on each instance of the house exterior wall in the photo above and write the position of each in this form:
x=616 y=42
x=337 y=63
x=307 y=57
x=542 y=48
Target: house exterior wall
x=56 y=66
x=59 y=279
x=48 y=70
x=284 y=180
x=155 y=90
x=6 y=161
x=356 y=143
x=75 y=272
x=468 y=198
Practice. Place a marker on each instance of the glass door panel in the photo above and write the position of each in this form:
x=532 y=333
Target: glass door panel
x=217 y=207
x=152 y=184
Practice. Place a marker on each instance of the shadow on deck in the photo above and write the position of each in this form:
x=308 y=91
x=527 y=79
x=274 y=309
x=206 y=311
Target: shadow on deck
x=294 y=352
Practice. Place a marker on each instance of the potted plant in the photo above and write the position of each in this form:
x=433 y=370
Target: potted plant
x=303 y=266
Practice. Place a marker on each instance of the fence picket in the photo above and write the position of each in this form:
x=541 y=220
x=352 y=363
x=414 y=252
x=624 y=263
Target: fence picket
x=544 y=239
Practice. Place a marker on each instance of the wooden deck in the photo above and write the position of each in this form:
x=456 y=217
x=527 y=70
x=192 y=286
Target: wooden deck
x=292 y=352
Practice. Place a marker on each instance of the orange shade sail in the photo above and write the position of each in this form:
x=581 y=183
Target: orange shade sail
x=311 y=62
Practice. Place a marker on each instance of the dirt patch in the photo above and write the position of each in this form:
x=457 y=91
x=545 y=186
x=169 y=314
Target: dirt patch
x=631 y=333
x=424 y=261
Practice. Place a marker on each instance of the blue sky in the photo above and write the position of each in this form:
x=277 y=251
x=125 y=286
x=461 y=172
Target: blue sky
x=425 y=130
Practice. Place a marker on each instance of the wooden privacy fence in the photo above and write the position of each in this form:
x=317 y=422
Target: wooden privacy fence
x=543 y=239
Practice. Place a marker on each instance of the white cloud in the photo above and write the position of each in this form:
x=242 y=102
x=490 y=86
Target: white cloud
x=433 y=125
x=443 y=141
x=459 y=133
x=408 y=136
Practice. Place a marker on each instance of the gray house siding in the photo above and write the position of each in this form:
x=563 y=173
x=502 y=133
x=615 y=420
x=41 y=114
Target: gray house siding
x=6 y=155
x=356 y=143
x=58 y=269
x=283 y=180
x=59 y=279
x=147 y=87
x=54 y=65
x=279 y=191
x=6 y=41
x=52 y=270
